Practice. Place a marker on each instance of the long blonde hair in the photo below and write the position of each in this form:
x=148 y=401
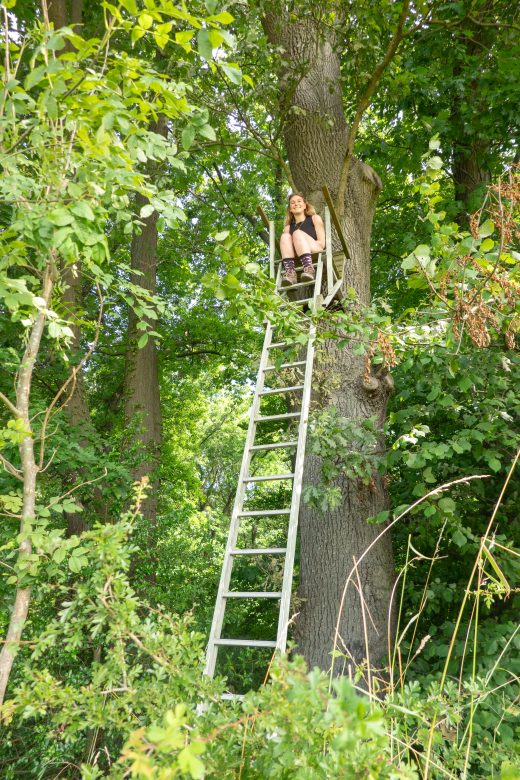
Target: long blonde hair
x=309 y=208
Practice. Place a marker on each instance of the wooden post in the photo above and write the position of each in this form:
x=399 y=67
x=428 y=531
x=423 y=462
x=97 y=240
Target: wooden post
x=272 y=242
x=328 y=249
x=335 y=219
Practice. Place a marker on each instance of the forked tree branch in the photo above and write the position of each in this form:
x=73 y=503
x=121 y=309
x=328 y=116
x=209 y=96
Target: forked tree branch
x=363 y=104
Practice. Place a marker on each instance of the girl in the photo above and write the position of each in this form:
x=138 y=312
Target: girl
x=303 y=235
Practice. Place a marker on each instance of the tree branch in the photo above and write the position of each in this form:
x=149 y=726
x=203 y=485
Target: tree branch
x=363 y=103
x=9 y=405
x=8 y=466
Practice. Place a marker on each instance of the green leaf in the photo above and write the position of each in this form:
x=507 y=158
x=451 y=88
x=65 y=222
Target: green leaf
x=458 y=538
x=486 y=229
x=428 y=475
x=204 y=44
x=435 y=163
x=487 y=244
x=188 y=762
x=130 y=6
x=221 y=236
x=35 y=76
x=224 y=17
x=61 y=217
x=206 y=131
x=58 y=555
x=409 y=263
x=83 y=210
x=216 y=38
x=146 y=211
x=211 y=5
x=143 y=341
x=447 y=505
x=136 y=33
x=187 y=137
x=509 y=771
x=77 y=563
x=494 y=463
x=161 y=39
x=233 y=72
x=145 y=21
x=184 y=37
x=465 y=382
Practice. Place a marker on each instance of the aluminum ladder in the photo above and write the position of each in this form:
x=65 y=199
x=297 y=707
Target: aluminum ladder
x=269 y=369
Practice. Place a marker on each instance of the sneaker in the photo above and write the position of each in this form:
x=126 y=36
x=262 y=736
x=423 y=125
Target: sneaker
x=289 y=278
x=308 y=274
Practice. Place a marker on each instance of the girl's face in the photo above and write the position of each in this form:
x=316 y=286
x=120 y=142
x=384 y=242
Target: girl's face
x=296 y=204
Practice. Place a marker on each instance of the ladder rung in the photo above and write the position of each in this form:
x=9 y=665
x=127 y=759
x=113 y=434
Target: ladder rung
x=286 y=365
x=282 y=390
x=244 y=643
x=259 y=551
x=276 y=344
x=295 y=286
x=298 y=302
x=300 y=266
x=285 y=416
x=269 y=478
x=253 y=594
x=277 y=445
x=264 y=512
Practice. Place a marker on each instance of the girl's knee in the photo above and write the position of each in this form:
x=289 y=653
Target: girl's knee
x=301 y=244
x=286 y=243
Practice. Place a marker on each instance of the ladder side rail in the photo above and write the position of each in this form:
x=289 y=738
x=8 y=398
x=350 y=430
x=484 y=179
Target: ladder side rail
x=328 y=250
x=277 y=275
x=225 y=577
x=272 y=248
x=317 y=297
x=285 y=601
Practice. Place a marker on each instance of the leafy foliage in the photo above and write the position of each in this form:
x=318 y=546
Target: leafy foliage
x=107 y=680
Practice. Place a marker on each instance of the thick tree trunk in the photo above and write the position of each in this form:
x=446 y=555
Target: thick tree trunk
x=316 y=139
x=470 y=173
x=77 y=407
x=142 y=392
x=62 y=13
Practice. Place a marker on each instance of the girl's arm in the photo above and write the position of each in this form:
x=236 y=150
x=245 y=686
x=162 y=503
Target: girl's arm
x=319 y=228
x=287 y=229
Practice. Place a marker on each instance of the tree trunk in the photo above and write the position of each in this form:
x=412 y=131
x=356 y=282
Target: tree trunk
x=142 y=392
x=316 y=140
x=469 y=169
x=77 y=409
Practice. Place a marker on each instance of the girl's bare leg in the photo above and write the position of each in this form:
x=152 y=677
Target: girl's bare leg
x=305 y=245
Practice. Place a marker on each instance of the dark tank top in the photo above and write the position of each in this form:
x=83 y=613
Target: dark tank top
x=307 y=226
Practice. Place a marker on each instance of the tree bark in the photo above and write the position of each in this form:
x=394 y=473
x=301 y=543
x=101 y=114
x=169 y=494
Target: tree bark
x=316 y=137
x=469 y=169
x=62 y=13
x=142 y=390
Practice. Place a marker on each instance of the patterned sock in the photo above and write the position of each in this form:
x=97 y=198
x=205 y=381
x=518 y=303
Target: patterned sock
x=306 y=260
x=288 y=264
